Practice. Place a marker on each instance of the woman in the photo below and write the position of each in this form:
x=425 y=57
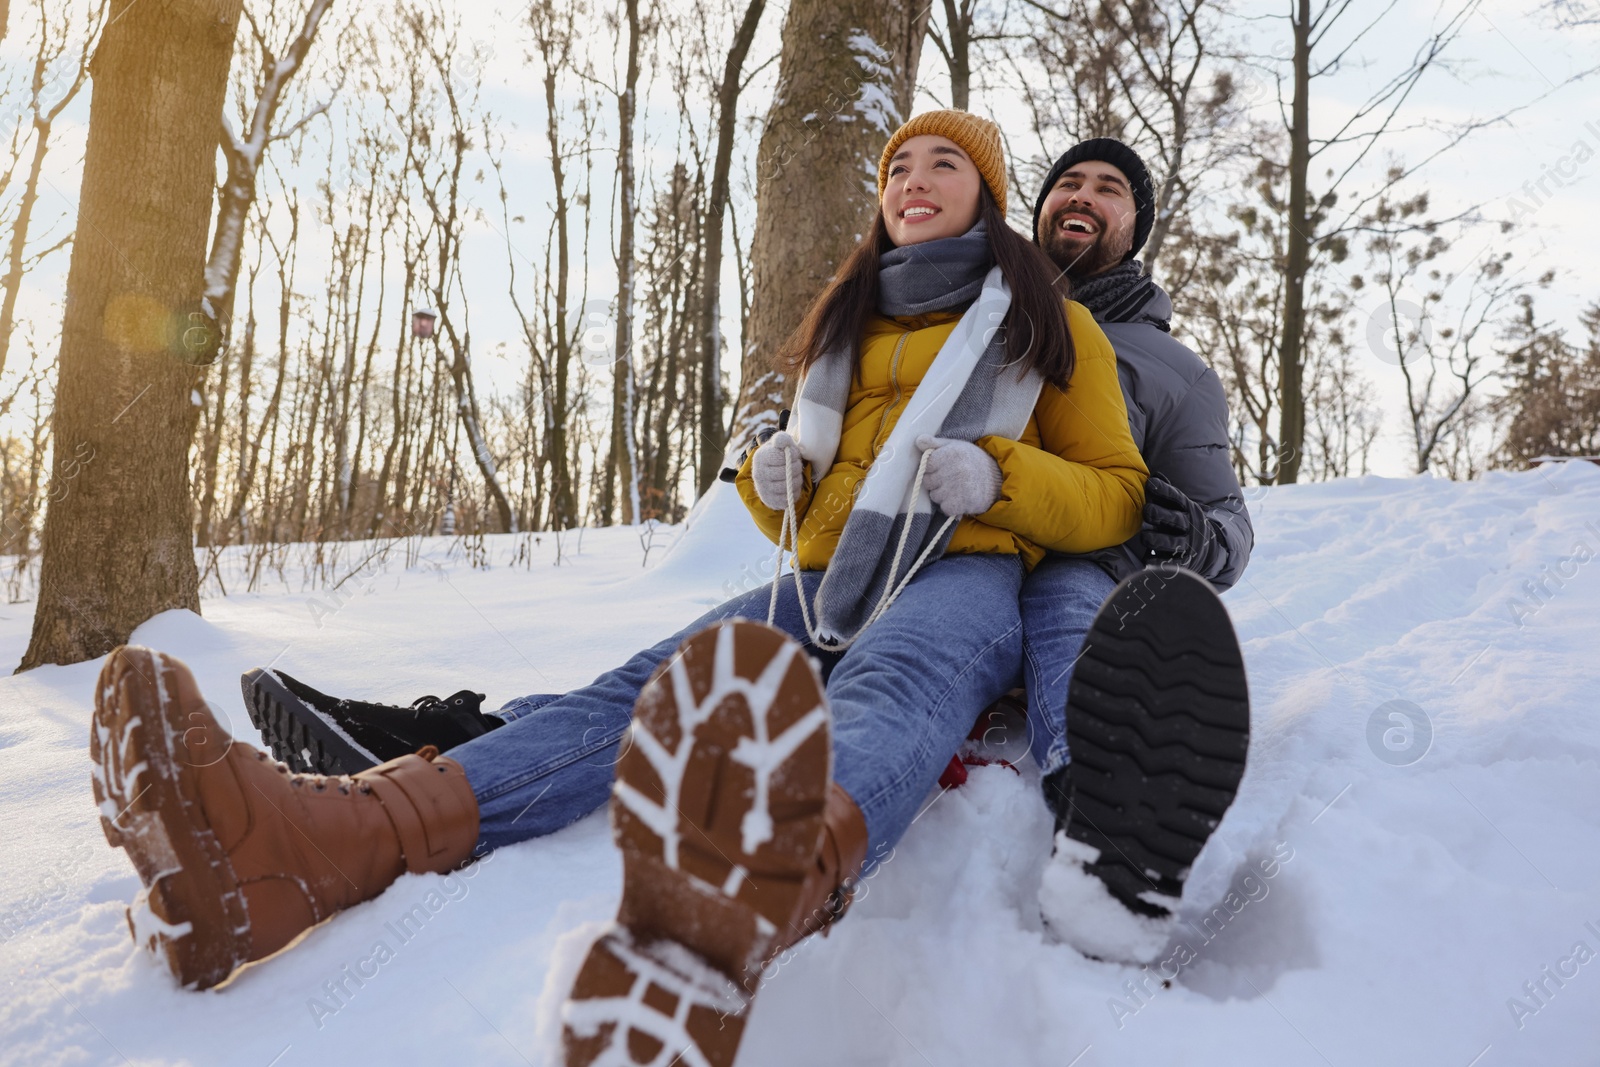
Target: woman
x=937 y=454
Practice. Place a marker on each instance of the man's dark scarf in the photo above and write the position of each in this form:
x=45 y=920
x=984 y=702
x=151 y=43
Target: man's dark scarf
x=1117 y=295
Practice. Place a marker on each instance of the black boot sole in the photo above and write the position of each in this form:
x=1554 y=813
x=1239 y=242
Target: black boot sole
x=297 y=733
x=1158 y=728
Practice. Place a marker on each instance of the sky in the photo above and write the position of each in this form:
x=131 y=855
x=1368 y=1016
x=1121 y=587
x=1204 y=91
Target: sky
x=1537 y=168
x=1507 y=58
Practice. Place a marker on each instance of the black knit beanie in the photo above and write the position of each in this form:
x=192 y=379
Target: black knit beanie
x=1124 y=159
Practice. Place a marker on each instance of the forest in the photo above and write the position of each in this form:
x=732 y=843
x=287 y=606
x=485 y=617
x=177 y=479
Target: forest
x=346 y=274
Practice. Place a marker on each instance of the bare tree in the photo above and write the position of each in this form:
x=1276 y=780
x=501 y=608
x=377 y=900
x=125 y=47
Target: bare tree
x=955 y=45
x=1069 y=71
x=21 y=471
x=1569 y=13
x=533 y=415
x=1230 y=314
x=711 y=408
x=1440 y=333
x=1148 y=72
x=243 y=150
x=118 y=541
x=671 y=273
x=458 y=80
x=60 y=39
x=250 y=448
x=1344 y=421
x=1182 y=99
x=1311 y=229
x=554 y=35
x=622 y=465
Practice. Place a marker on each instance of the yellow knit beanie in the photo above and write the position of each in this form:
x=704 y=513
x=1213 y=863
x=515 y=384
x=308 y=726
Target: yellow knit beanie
x=977 y=136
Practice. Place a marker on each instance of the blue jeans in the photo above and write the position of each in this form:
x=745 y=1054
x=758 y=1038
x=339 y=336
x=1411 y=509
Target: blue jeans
x=1059 y=601
x=903 y=697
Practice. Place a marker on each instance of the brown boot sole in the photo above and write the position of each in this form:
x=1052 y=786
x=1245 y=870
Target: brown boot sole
x=718 y=811
x=192 y=912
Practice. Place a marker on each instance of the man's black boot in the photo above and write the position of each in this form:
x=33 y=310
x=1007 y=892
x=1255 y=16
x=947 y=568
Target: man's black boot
x=1158 y=727
x=315 y=733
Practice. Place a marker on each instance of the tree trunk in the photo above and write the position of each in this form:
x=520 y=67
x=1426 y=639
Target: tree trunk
x=712 y=445
x=250 y=452
x=118 y=535
x=211 y=447
x=1164 y=206
x=958 y=22
x=563 y=510
x=845 y=80
x=1291 y=354
x=365 y=389
x=624 y=454
x=350 y=306
x=466 y=403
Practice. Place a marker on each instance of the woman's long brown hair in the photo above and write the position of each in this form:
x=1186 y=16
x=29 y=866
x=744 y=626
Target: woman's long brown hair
x=1035 y=326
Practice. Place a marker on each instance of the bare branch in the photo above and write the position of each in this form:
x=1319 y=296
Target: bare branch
x=243 y=153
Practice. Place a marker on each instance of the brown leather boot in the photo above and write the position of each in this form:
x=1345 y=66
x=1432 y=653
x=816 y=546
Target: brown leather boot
x=238 y=856
x=734 y=846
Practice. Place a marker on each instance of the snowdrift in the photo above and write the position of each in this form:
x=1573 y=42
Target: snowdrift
x=1410 y=876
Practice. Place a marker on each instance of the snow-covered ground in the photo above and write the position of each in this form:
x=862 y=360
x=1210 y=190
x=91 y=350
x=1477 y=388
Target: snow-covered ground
x=1414 y=859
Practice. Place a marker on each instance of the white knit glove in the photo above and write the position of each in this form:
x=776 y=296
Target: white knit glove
x=781 y=452
x=962 y=479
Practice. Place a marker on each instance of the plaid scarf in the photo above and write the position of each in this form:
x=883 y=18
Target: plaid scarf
x=966 y=394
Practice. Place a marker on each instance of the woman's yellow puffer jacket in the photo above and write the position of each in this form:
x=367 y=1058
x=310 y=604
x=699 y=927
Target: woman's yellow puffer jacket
x=1074 y=482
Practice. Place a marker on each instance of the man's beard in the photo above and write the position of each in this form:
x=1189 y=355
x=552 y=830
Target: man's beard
x=1077 y=260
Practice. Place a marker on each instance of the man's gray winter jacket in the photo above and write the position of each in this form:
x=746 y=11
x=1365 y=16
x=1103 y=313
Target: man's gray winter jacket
x=1179 y=417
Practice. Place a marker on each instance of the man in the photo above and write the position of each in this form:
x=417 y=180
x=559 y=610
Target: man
x=1093 y=214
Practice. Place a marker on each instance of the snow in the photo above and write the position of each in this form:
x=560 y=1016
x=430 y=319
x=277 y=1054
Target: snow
x=1358 y=906
x=870 y=56
x=1077 y=909
x=876 y=102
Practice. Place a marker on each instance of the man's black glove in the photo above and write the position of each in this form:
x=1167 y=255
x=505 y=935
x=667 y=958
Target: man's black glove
x=1176 y=529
